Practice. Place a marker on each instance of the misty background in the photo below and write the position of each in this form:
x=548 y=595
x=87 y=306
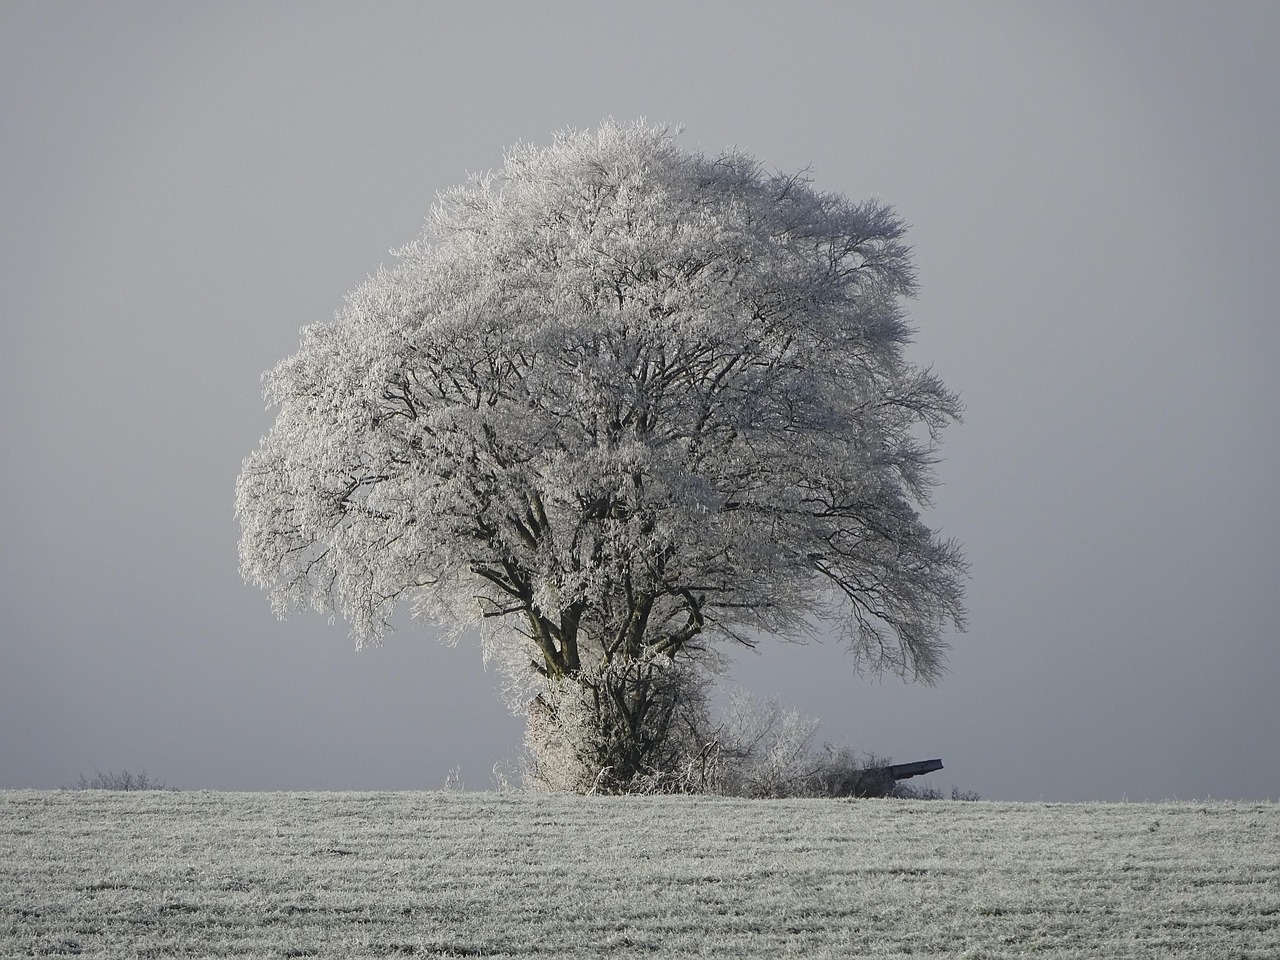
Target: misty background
x=1094 y=194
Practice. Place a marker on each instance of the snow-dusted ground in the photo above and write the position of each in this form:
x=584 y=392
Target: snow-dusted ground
x=511 y=875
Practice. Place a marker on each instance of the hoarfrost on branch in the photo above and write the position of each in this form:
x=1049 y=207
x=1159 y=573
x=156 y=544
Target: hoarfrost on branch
x=620 y=403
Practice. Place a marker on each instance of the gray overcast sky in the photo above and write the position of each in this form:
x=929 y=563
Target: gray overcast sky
x=1094 y=193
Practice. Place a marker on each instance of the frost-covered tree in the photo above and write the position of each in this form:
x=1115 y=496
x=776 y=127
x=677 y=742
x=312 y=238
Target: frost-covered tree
x=620 y=404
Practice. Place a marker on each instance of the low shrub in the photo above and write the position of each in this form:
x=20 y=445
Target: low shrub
x=756 y=748
x=124 y=780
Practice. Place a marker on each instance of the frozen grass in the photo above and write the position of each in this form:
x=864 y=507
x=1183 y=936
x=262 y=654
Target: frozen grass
x=511 y=875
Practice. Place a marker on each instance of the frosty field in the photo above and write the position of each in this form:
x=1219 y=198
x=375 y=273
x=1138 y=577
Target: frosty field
x=200 y=874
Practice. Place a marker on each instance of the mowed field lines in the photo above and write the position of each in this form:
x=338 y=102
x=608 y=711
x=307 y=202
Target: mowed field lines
x=201 y=874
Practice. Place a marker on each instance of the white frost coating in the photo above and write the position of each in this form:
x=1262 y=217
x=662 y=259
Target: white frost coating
x=345 y=875
x=622 y=400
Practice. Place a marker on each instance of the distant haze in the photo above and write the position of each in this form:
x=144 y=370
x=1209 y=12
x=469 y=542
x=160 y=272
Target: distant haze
x=1094 y=193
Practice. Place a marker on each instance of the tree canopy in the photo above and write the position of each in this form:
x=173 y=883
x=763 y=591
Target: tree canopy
x=621 y=402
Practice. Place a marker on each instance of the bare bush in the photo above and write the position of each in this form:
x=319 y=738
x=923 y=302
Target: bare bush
x=761 y=749
x=111 y=780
